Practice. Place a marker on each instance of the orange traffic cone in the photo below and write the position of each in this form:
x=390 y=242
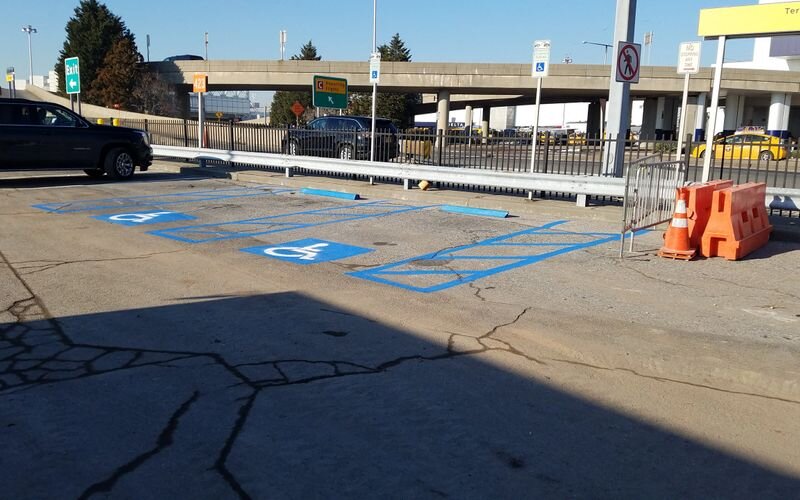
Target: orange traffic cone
x=676 y=241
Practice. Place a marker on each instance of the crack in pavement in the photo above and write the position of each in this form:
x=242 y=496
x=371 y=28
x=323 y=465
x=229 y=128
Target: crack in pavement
x=165 y=440
x=37 y=266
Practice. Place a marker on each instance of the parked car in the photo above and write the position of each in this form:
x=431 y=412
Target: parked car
x=346 y=137
x=745 y=146
x=43 y=135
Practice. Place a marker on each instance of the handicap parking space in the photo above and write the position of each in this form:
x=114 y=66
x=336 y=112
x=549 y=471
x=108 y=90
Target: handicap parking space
x=415 y=247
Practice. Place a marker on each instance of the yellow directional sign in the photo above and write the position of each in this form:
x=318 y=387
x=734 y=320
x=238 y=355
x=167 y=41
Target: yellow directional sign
x=200 y=82
x=10 y=77
x=750 y=20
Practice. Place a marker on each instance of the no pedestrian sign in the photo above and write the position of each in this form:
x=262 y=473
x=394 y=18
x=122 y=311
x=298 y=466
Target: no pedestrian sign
x=628 y=62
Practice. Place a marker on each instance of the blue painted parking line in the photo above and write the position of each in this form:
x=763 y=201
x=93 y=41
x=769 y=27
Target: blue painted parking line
x=144 y=218
x=157 y=200
x=455 y=275
x=480 y=212
x=331 y=194
x=203 y=233
x=307 y=251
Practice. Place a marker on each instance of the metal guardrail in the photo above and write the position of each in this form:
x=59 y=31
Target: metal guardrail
x=577 y=184
x=649 y=195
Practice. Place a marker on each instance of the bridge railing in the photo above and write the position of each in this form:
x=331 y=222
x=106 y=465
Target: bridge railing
x=778 y=165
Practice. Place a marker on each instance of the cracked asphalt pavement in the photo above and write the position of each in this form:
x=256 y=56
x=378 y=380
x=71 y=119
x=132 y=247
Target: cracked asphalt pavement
x=136 y=366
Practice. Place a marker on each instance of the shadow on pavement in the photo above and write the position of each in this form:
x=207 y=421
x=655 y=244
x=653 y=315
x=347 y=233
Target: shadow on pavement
x=39 y=179
x=283 y=396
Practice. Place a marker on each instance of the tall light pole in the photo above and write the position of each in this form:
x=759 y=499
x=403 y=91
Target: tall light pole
x=605 y=45
x=29 y=30
x=282 y=40
x=206 y=45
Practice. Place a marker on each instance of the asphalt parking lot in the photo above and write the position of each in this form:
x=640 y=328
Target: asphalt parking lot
x=184 y=336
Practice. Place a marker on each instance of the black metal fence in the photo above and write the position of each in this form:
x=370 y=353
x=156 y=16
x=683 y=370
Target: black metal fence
x=777 y=164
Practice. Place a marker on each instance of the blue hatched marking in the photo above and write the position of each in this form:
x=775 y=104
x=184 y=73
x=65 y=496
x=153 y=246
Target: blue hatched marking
x=203 y=233
x=383 y=274
x=157 y=200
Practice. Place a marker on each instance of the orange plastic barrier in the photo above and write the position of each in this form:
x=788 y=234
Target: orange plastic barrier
x=738 y=224
x=699 y=208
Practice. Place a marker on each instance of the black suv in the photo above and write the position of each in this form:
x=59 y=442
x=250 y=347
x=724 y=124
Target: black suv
x=346 y=137
x=42 y=135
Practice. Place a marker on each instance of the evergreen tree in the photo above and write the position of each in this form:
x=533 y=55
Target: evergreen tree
x=397 y=107
x=119 y=76
x=91 y=34
x=280 y=111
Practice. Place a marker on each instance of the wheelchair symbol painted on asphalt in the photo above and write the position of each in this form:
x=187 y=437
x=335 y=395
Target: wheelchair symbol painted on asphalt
x=302 y=253
x=140 y=218
x=307 y=251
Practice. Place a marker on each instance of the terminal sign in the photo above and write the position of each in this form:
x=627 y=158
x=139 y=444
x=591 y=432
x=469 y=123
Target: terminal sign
x=330 y=92
x=541 y=59
x=72 y=75
x=689 y=58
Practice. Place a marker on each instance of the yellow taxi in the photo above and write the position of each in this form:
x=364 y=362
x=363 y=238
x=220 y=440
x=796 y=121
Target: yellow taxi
x=745 y=147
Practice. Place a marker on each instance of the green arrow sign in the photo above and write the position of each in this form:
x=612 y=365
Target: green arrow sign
x=72 y=73
x=330 y=92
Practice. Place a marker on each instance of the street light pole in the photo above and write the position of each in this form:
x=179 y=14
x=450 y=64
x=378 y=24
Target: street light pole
x=206 y=45
x=606 y=46
x=29 y=30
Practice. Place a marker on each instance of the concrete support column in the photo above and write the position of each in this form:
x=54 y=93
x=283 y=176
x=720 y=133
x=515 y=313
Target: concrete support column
x=692 y=109
x=648 y=130
x=779 y=109
x=594 y=117
x=700 y=117
x=485 y=115
x=734 y=113
x=661 y=103
x=442 y=115
x=468 y=119
x=747 y=116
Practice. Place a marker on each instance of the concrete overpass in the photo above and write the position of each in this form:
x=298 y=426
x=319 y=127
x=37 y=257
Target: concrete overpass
x=567 y=83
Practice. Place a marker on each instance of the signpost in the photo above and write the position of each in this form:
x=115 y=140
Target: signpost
x=740 y=22
x=539 y=70
x=375 y=67
x=298 y=110
x=72 y=80
x=12 y=84
x=628 y=62
x=330 y=92
x=688 y=64
x=200 y=86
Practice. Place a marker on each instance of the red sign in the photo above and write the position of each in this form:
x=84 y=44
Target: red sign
x=628 y=62
x=297 y=109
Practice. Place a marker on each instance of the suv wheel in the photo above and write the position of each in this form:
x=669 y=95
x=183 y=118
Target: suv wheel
x=293 y=148
x=346 y=152
x=119 y=164
x=95 y=173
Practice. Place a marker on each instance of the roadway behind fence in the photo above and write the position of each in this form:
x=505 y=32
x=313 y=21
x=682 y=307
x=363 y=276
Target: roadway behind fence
x=573 y=154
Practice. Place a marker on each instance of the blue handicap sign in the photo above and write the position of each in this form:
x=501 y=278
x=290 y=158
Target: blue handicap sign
x=374 y=74
x=540 y=67
x=141 y=218
x=307 y=251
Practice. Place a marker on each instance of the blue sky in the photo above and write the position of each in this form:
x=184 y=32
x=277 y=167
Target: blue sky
x=441 y=31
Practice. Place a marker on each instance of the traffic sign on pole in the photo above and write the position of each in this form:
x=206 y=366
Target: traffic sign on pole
x=72 y=75
x=330 y=92
x=200 y=83
x=689 y=58
x=628 y=62
x=541 y=59
x=375 y=67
